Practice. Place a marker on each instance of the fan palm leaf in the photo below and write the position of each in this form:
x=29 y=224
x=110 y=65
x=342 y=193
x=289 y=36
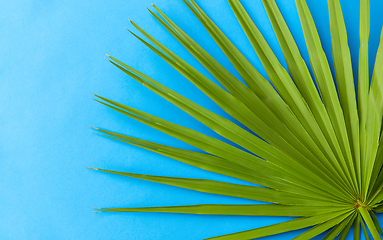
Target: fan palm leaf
x=312 y=144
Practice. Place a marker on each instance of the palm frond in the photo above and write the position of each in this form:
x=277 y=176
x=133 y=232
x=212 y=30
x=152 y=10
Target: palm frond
x=316 y=154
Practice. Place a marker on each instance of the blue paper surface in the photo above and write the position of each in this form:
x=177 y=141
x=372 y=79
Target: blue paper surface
x=52 y=60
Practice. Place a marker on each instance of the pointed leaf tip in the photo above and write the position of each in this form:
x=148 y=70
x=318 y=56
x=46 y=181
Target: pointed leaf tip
x=92 y=168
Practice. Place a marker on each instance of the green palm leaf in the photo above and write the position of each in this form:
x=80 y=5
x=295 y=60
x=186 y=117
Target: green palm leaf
x=317 y=154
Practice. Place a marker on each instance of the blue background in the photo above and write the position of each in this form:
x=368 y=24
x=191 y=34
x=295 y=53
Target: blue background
x=52 y=59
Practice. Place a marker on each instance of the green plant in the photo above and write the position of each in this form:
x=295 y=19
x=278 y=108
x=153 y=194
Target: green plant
x=318 y=155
